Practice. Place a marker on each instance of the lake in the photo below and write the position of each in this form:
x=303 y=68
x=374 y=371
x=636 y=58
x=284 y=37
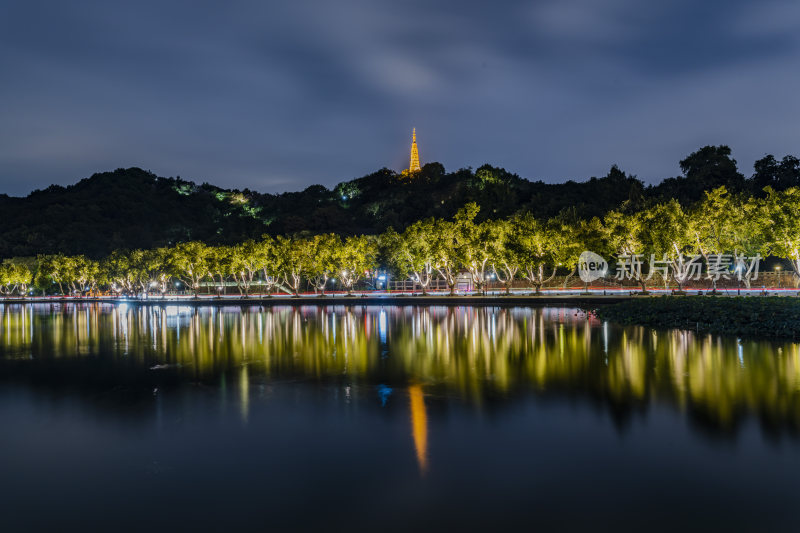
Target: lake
x=241 y=418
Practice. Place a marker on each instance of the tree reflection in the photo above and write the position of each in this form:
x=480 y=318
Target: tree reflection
x=477 y=353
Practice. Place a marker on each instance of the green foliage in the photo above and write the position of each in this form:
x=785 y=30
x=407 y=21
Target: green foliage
x=477 y=244
x=412 y=253
x=781 y=216
x=322 y=263
x=190 y=262
x=356 y=257
x=489 y=223
x=778 y=176
x=124 y=209
x=14 y=277
x=134 y=209
x=706 y=169
x=534 y=247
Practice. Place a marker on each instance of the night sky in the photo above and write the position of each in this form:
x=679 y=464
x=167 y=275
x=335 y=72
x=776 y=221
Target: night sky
x=278 y=96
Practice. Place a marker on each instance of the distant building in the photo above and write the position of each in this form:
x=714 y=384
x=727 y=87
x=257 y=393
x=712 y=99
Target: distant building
x=414 y=165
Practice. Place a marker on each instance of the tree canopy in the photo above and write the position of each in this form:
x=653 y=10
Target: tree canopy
x=133 y=208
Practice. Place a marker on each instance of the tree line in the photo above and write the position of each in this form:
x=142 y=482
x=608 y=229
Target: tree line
x=518 y=247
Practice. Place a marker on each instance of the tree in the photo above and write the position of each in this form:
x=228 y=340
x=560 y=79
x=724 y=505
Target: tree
x=14 y=277
x=189 y=262
x=158 y=268
x=445 y=252
x=294 y=255
x=220 y=262
x=80 y=273
x=321 y=260
x=476 y=244
x=575 y=237
x=749 y=234
x=148 y=269
x=355 y=258
x=667 y=231
x=247 y=259
x=706 y=169
x=782 y=233
x=778 y=176
x=623 y=237
x=723 y=223
x=534 y=246
x=505 y=253
x=269 y=260
x=412 y=253
x=118 y=271
x=51 y=271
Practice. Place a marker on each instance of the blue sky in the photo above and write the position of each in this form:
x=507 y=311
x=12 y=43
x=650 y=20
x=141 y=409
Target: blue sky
x=278 y=96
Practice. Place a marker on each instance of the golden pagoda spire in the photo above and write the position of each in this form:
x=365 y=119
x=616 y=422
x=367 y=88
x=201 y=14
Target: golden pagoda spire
x=414 y=166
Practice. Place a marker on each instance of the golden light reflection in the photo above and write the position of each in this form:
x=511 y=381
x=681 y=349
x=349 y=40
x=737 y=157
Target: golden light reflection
x=474 y=353
x=244 y=394
x=419 y=426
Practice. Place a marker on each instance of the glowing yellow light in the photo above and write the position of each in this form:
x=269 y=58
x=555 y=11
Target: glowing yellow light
x=414 y=165
x=419 y=426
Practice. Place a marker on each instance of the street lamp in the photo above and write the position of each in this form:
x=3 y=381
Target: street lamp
x=778 y=270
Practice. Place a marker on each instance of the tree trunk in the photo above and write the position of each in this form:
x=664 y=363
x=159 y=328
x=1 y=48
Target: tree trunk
x=569 y=277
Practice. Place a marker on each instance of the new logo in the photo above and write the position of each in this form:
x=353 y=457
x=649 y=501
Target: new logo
x=591 y=267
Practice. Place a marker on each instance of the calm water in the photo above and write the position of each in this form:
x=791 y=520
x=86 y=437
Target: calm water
x=388 y=418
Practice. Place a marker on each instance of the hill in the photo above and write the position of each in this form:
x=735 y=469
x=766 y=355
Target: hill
x=133 y=208
x=128 y=208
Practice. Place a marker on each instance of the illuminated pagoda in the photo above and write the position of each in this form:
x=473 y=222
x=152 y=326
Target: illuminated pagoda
x=414 y=165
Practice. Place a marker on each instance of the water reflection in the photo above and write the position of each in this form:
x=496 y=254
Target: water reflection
x=483 y=355
x=419 y=425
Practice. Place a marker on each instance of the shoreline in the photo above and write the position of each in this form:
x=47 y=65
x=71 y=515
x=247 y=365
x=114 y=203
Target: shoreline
x=594 y=297
x=771 y=317
x=483 y=301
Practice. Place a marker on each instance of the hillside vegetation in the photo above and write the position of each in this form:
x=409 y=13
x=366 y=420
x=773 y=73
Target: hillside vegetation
x=132 y=208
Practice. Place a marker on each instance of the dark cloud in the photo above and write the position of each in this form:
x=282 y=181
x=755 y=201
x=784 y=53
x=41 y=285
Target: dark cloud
x=277 y=96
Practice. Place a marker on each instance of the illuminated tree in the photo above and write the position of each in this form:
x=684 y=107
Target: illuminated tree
x=118 y=271
x=782 y=233
x=146 y=269
x=667 y=229
x=412 y=253
x=445 y=252
x=723 y=223
x=355 y=258
x=50 y=272
x=749 y=236
x=575 y=237
x=247 y=259
x=294 y=255
x=269 y=261
x=504 y=253
x=623 y=236
x=189 y=262
x=158 y=268
x=220 y=262
x=80 y=273
x=14 y=277
x=534 y=246
x=476 y=244
x=321 y=260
